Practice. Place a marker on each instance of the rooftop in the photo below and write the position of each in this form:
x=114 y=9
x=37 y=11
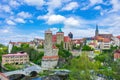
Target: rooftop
x=16 y=54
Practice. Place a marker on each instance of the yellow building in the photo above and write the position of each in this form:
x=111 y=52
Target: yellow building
x=18 y=58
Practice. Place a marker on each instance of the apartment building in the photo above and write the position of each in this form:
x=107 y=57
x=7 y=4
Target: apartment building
x=16 y=58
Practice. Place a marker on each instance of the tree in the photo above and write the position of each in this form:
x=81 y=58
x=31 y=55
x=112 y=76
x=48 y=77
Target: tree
x=82 y=67
x=87 y=48
x=3 y=50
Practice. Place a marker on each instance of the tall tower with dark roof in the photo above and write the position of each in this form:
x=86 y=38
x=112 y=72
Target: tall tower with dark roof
x=96 y=31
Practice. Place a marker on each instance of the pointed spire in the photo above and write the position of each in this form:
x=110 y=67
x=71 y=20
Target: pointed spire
x=96 y=31
x=96 y=27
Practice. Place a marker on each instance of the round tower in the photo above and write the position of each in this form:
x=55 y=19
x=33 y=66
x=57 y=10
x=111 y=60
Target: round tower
x=60 y=36
x=48 y=43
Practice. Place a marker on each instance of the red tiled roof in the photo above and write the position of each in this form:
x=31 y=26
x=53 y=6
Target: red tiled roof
x=92 y=43
x=118 y=37
x=54 y=38
x=50 y=57
x=106 y=40
x=17 y=54
x=67 y=39
x=77 y=41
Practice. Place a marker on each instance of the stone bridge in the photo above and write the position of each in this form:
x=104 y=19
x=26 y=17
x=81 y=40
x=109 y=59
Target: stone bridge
x=25 y=71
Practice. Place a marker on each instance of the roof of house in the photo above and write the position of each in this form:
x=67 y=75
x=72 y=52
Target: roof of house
x=67 y=39
x=117 y=51
x=106 y=40
x=54 y=39
x=118 y=37
x=106 y=35
x=16 y=54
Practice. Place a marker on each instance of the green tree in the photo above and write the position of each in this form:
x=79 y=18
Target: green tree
x=82 y=67
x=87 y=48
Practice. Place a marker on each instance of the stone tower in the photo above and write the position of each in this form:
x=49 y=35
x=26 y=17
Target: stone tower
x=48 y=43
x=50 y=58
x=60 y=36
x=96 y=31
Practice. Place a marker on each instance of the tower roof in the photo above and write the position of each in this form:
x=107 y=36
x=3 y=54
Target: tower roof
x=60 y=30
x=96 y=27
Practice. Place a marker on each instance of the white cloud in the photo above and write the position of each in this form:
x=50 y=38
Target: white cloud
x=115 y=5
x=71 y=6
x=92 y=3
x=53 y=4
x=5 y=8
x=54 y=19
x=14 y=3
x=71 y=22
x=24 y=14
x=37 y=3
x=10 y=22
x=97 y=8
x=19 y=20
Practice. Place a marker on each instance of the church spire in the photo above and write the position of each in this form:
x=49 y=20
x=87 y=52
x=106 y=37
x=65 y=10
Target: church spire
x=96 y=31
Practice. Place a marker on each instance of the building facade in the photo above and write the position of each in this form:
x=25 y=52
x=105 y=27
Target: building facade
x=17 y=58
x=117 y=55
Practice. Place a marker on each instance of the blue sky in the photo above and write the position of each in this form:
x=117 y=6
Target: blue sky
x=23 y=20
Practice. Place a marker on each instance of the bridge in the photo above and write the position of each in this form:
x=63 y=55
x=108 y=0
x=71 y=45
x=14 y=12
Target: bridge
x=25 y=71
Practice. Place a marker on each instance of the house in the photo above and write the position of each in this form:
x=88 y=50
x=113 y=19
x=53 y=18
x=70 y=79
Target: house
x=16 y=58
x=105 y=44
x=117 y=55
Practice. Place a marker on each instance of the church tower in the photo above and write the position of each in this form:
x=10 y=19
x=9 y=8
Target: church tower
x=96 y=31
x=60 y=36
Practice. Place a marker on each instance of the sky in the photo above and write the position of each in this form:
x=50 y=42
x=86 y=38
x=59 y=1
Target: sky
x=24 y=20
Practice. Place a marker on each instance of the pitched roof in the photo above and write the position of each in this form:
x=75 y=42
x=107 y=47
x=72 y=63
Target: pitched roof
x=106 y=40
x=106 y=35
x=118 y=37
x=54 y=38
x=17 y=54
x=67 y=39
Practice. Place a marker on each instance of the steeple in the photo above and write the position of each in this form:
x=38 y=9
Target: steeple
x=96 y=31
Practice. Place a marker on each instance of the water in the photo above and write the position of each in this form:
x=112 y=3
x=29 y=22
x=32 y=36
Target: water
x=37 y=78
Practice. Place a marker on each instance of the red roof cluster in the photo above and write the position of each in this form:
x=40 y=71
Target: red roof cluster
x=106 y=40
x=66 y=38
x=118 y=37
x=77 y=41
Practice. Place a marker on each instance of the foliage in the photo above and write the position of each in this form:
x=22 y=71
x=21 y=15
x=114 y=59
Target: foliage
x=87 y=48
x=76 y=47
x=3 y=50
x=11 y=67
x=63 y=52
x=81 y=68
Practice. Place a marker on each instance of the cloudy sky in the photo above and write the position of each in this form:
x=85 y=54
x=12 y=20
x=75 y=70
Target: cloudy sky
x=23 y=20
